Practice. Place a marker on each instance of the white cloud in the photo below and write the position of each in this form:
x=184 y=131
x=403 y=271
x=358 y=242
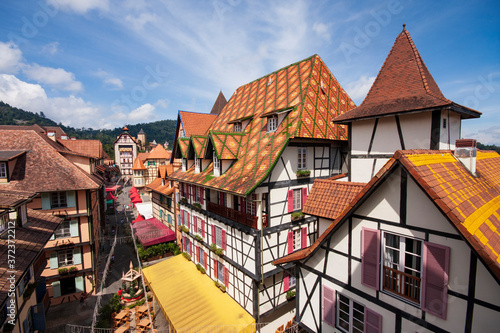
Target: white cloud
x=112 y=82
x=80 y=6
x=11 y=57
x=487 y=136
x=321 y=30
x=144 y=113
x=18 y=93
x=358 y=89
x=51 y=48
x=138 y=22
x=55 y=77
x=162 y=103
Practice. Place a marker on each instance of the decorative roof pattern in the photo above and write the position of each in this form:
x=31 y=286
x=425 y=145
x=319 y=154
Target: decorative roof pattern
x=403 y=84
x=328 y=198
x=306 y=97
x=199 y=144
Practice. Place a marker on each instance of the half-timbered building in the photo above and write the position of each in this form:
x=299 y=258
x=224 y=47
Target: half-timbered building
x=243 y=182
x=162 y=196
x=125 y=152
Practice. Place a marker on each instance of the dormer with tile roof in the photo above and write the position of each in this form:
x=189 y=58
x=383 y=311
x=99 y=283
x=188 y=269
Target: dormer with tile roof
x=138 y=173
x=243 y=189
x=404 y=109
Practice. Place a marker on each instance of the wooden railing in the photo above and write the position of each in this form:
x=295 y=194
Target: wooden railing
x=402 y=284
x=236 y=215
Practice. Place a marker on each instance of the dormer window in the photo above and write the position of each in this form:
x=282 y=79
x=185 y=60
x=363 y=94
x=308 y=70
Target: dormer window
x=272 y=123
x=237 y=127
x=182 y=134
x=184 y=164
x=3 y=170
x=216 y=165
x=196 y=164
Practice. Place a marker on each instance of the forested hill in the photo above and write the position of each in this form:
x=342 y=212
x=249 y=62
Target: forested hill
x=161 y=131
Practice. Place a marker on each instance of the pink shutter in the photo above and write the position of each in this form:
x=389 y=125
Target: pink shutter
x=224 y=244
x=202 y=200
x=290 y=201
x=242 y=205
x=329 y=305
x=197 y=253
x=205 y=261
x=184 y=243
x=195 y=222
x=304 y=196
x=213 y=233
x=226 y=277
x=286 y=282
x=373 y=321
x=370 y=258
x=189 y=221
x=182 y=217
x=435 y=279
x=290 y=242
x=221 y=198
x=215 y=268
x=304 y=237
x=203 y=228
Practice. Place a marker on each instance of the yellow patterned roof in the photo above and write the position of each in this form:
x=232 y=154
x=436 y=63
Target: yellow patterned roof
x=199 y=144
x=184 y=146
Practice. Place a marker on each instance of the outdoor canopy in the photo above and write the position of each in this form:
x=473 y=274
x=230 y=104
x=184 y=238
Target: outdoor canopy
x=113 y=188
x=175 y=280
x=151 y=232
x=139 y=218
x=133 y=189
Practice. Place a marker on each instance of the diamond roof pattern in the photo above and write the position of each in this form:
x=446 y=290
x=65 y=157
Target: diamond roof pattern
x=311 y=98
x=199 y=145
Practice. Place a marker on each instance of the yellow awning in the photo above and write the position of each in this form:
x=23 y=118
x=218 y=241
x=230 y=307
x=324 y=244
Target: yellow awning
x=191 y=301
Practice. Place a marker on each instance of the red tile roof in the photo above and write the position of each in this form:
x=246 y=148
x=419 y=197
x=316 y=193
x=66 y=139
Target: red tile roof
x=219 y=104
x=138 y=165
x=403 y=84
x=328 y=198
x=143 y=156
x=88 y=148
x=42 y=168
x=158 y=152
x=196 y=123
x=471 y=203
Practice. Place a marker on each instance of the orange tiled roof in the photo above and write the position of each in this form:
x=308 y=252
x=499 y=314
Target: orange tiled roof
x=196 y=123
x=89 y=148
x=328 y=198
x=219 y=104
x=138 y=165
x=403 y=84
x=309 y=97
x=143 y=156
x=471 y=203
x=158 y=152
x=199 y=144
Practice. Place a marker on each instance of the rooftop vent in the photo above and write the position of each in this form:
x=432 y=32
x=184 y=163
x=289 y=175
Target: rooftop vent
x=465 y=152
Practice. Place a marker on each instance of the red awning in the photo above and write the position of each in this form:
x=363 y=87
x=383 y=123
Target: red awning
x=136 y=200
x=139 y=218
x=113 y=188
x=134 y=194
x=110 y=196
x=133 y=189
x=151 y=232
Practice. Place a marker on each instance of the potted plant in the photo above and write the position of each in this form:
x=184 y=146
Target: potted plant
x=297 y=216
x=198 y=238
x=197 y=205
x=303 y=173
x=184 y=200
x=73 y=269
x=290 y=295
x=213 y=247
x=62 y=271
x=186 y=255
x=220 y=252
x=184 y=229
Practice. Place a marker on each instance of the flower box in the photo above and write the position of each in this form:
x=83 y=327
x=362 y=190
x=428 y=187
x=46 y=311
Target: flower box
x=303 y=173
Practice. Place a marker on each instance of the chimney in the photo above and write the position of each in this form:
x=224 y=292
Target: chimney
x=465 y=152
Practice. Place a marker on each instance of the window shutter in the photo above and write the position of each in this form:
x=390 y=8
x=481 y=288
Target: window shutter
x=435 y=279
x=54 y=262
x=26 y=325
x=373 y=321
x=202 y=200
x=286 y=282
x=203 y=228
x=221 y=198
x=45 y=201
x=304 y=237
x=184 y=243
x=215 y=268
x=79 y=283
x=77 y=256
x=197 y=253
x=242 y=205
x=73 y=228
x=188 y=222
x=195 y=222
x=38 y=312
x=224 y=243
x=290 y=241
x=329 y=305
x=370 y=258
x=70 y=198
x=205 y=261
x=213 y=233
x=182 y=217
x=304 y=196
x=56 y=289
x=290 y=201
x=226 y=277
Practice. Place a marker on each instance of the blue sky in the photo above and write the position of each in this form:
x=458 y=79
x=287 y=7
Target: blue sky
x=104 y=63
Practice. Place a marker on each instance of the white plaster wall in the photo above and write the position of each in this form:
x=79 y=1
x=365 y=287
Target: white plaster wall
x=361 y=169
x=455 y=318
x=340 y=239
x=361 y=136
x=487 y=289
x=317 y=261
x=278 y=203
x=337 y=267
x=384 y=202
x=452 y=131
x=423 y=213
x=485 y=320
x=408 y=326
x=386 y=140
x=308 y=318
x=323 y=224
x=416 y=129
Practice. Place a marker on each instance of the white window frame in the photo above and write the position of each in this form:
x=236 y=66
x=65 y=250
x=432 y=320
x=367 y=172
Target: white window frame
x=4 y=222
x=3 y=170
x=196 y=164
x=238 y=127
x=216 y=165
x=201 y=256
x=220 y=272
x=272 y=123
x=297 y=239
x=301 y=158
x=343 y=299
x=58 y=199
x=184 y=164
x=218 y=236
x=291 y=281
x=400 y=264
x=63 y=231
x=297 y=199
x=66 y=261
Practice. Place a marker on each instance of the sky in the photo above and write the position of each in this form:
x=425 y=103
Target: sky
x=105 y=63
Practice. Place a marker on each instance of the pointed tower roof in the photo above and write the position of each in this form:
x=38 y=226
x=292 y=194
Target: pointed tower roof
x=219 y=104
x=141 y=131
x=138 y=165
x=404 y=84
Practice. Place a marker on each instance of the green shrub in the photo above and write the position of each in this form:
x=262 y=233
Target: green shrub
x=219 y=252
x=186 y=255
x=62 y=271
x=198 y=238
x=297 y=215
x=185 y=229
x=303 y=173
x=213 y=246
x=290 y=293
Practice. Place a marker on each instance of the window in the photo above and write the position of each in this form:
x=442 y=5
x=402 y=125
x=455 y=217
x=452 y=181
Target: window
x=200 y=226
x=350 y=315
x=301 y=164
x=444 y=122
x=63 y=230
x=297 y=239
x=402 y=266
x=252 y=205
x=68 y=286
x=58 y=200
x=220 y=272
x=272 y=123
x=218 y=236
x=3 y=170
x=196 y=163
x=151 y=163
x=28 y=322
x=25 y=281
x=297 y=199
x=237 y=127
x=65 y=257
x=4 y=222
x=291 y=281
x=187 y=245
x=216 y=165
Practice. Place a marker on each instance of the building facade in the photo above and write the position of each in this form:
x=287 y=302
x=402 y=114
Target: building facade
x=125 y=153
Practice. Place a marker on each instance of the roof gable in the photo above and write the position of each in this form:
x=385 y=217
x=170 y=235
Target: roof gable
x=138 y=165
x=88 y=148
x=195 y=123
x=219 y=104
x=158 y=152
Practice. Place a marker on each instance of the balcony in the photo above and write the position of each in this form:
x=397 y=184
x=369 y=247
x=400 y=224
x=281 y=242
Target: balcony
x=235 y=215
x=402 y=284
